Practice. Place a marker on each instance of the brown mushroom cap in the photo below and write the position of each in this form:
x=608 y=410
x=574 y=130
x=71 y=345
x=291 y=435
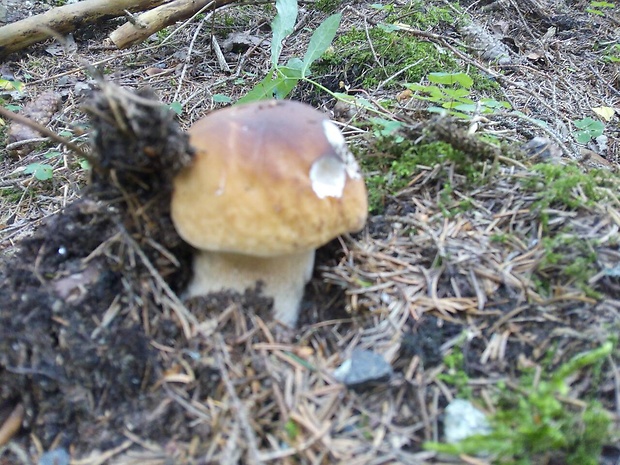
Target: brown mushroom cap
x=268 y=178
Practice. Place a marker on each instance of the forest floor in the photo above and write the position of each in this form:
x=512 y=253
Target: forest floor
x=489 y=270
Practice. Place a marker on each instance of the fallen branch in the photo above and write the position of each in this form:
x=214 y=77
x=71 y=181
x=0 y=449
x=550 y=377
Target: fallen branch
x=149 y=22
x=28 y=31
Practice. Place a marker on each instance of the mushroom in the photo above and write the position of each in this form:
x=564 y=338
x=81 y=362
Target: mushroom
x=269 y=183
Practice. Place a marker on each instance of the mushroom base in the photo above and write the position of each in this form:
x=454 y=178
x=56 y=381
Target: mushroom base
x=283 y=277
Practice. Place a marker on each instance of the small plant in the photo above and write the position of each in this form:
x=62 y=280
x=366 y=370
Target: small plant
x=450 y=94
x=40 y=171
x=8 y=86
x=588 y=129
x=282 y=79
x=455 y=374
x=531 y=421
x=598 y=8
x=612 y=54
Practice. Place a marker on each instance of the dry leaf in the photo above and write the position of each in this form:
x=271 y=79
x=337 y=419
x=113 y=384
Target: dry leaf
x=607 y=113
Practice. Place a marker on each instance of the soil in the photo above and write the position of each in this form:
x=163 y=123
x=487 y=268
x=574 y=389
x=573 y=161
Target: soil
x=104 y=358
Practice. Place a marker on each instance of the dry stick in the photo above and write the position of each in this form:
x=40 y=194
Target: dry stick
x=188 y=57
x=158 y=18
x=21 y=34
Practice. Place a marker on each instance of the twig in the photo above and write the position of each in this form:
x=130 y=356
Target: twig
x=189 y=55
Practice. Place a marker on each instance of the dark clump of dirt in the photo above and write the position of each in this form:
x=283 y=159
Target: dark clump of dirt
x=73 y=345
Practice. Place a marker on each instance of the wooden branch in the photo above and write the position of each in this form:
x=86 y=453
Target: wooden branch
x=20 y=34
x=158 y=18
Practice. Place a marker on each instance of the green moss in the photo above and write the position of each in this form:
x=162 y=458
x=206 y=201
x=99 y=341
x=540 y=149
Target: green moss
x=572 y=257
x=391 y=167
x=327 y=6
x=421 y=14
x=11 y=195
x=567 y=186
x=532 y=425
x=455 y=374
x=394 y=51
x=162 y=34
x=567 y=255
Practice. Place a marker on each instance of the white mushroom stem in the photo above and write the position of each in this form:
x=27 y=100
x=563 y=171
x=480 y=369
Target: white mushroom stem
x=284 y=278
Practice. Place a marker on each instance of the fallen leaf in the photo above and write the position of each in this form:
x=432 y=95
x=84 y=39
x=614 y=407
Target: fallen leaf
x=606 y=113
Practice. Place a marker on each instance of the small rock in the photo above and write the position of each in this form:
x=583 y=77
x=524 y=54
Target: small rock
x=462 y=420
x=542 y=149
x=362 y=369
x=55 y=457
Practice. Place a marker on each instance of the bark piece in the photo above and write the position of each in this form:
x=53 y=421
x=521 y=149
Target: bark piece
x=158 y=18
x=18 y=35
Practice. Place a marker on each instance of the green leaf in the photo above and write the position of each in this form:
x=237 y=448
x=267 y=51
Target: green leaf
x=589 y=129
x=289 y=77
x=291 y=429
x=262 y=90
x=85 y=165
x=389 y=28
x=456 y=93
x=277 y=84
x=282 y=25
x=435 y=94
x=177 y=107
x=321 y=40
x=492 y=103
x=40 y=171
x=451 y=78
x=294 y=63
x=468 y=107
x=221 y=98
x=6 y=84
x=52 y=154
x=386 y=128
x=357 y=101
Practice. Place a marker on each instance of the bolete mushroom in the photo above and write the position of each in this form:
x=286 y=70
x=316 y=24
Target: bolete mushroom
x=270 y=182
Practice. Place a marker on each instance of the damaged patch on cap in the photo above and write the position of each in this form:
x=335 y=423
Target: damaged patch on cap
x=336 y=140
x=328 y=176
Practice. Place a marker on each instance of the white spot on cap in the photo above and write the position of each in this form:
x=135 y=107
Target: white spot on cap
x=334 y=136
x=328 y=176
x=336 y=140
